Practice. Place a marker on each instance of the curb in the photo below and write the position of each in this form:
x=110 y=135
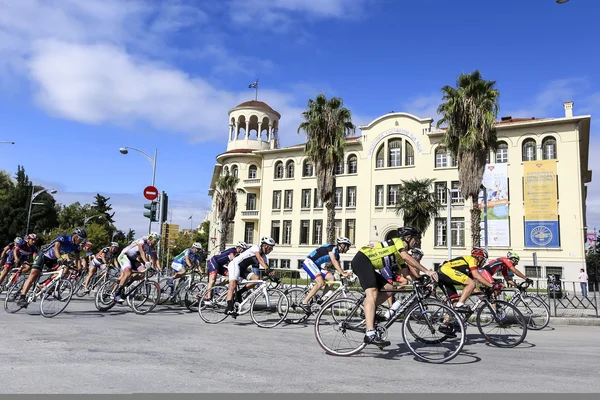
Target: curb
x=592 y=321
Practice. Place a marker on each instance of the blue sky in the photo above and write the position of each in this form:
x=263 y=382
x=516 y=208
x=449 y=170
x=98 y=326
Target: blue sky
x=79 y=79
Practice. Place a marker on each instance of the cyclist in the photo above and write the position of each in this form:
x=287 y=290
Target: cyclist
x=185 y=260
x=313 y=265
x=9 y=247
x=89 y=255
x=401 y=277
x=218 y=264
x=377 y=256
x=464 y=271
x=505 y=265
x=101 y=260
x=20 y=255
x=139 y=255
x=238 y=269
x=50 y=254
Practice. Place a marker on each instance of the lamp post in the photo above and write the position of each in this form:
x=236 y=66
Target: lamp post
x=152 y=160
x=7 y=142
x=85 y=220
x=33 y=196
x=561 y=1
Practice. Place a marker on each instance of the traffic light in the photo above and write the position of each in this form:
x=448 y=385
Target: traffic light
x=152 y=213
x=164 y=207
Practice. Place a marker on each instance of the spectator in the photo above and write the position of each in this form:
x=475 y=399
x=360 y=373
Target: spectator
x=583 y=281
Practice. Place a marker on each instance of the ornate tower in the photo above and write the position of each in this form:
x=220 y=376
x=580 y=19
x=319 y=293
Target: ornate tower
x=253 y=125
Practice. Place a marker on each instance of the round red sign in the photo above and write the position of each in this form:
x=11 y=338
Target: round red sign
x=150 y=193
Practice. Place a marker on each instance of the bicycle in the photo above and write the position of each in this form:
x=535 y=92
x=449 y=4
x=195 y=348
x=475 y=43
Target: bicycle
x=99 y=278
x=14 y=277
x=259 y=301
x=535 y=310
x=432 y=331
x=57 y=288
x=186 y=291
x=142 y=295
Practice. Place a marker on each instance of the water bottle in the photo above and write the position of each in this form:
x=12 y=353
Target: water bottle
x=327 y=296
x=392 y=311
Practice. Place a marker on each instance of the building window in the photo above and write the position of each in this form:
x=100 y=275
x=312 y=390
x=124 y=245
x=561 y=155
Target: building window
x=441 y=191
x=278 y=170
x=347 y=265
x=339 y=169
x=307 y=170
x=440 y=231
x=249 y=232
x=317 y=231
x=351 y=196
x=393 y=193
x=285 y=264
x=554 y=271
x=457 y=194
x=352 y=164
x=252 y=172
x=379 y=163
x=549 y=148
x=226 y=171
x=304 y=227
x=288 y=199
x=234 y=171
x=276 y=231
x=276 y=199
x=287 y=232
x=318 y=201
x=338 y=227
x=339 y=197
x=379 y=196
x=351 y=229
x=273 y=262
x=409 y=158
x=306 y=198
x=395 y=153
x=529 y=150
x=502 y=153
x=533 y=272
x=441 y=157
x=229 y=238
x=458 y=231
x=251 y=201
x=289 y=169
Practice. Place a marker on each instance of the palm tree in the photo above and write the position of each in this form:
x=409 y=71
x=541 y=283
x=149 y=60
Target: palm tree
x=327 y=123
x=469 y=111
x=226 y=204
x=417 y=204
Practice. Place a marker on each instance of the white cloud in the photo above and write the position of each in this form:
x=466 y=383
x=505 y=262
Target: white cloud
x=423 y=106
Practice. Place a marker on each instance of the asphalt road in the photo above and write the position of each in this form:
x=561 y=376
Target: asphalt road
x=171 y=350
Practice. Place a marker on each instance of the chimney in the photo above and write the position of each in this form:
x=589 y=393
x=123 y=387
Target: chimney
x=568 y=109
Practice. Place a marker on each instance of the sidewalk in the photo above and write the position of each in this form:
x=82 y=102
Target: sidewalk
x=586 y=321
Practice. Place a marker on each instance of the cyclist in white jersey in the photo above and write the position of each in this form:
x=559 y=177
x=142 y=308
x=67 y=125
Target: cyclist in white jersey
x=140 y=255
x=100 y=260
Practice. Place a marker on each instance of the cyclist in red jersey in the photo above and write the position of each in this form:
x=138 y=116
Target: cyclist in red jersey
x=503 y=264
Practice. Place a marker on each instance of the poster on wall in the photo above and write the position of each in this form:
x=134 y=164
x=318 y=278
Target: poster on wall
x=542 y=227
x=495 y=180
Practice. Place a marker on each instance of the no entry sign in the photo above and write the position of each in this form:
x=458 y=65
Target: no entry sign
x=150 y=193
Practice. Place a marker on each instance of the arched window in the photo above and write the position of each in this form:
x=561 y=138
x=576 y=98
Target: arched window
x=502 y=153
x=441 y=157
x=289 y=169
x=395 y=153
x=352 y=164
x=278 y=170
x=379 y=163
x=409 y=154
x=549 y=148
x=226 y=171
x=307 y=168
x=234 y=171
x=529 y=150
x=252 y=172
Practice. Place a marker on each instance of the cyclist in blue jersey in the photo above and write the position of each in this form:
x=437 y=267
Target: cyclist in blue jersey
x=50 y=254
x=186 y=259
x=218 y=264
x=327 y=253
x=8 y=248
x=20 y=254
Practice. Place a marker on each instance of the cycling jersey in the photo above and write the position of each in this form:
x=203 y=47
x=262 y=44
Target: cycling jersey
x=133 y=251
x=66 y=246
x=108 y=255
x=190 y=253
x=239 y=266
x=459 y=269
x=8 y=248
x=391 y=274
x=218 y=263
x=501 y=264
x=384 y=254
x=321 y=255
x=23 y=252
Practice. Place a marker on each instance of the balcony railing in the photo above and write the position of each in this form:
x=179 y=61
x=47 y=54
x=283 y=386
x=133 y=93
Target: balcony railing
x=252 y=182
x=250 y=214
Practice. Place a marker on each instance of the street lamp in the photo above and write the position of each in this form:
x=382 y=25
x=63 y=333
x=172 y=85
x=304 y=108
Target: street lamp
x=7 y=142
x=85 y=220
x=152 y=160
x=33 y=196
x=561 y=1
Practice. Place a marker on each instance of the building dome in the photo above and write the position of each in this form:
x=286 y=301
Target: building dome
x=256 y=104
x=253 y=125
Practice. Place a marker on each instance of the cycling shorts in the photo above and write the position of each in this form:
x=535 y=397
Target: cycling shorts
x=235 y=272
x=312 y=269
x=214 y=268
x=177 y=267
x=127 y=262
x=364 y=270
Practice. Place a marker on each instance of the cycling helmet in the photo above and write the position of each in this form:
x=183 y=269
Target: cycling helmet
x=479 y=252
x=344 y=240
x=242 y=245
x=512 y=254
x=417 y=253
x=404 y=231
x=32 y=236
x=154 y=235
x=197 y=246
x=18 y=239
x=114 y=244
x=80 y=232
x=267 y=240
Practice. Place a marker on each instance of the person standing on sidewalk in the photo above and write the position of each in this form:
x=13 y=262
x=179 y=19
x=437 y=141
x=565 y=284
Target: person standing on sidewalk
x=583 y=282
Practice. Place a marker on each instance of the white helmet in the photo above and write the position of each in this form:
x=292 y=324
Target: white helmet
x=344 y=240
x=197 y=245
x=267 y=240
x=18 y=239
x=114 y=244
x=154 y=235
x=242 y=245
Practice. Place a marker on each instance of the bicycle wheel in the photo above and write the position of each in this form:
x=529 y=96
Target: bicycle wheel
x=269 y=309
x=192 y=296
x=433 y=332
x=78 y=287
x=56 y=298
x=166 y=291
x=213 y=305
x=296 y=314
x=340 y=327
x=104 y=299
x=10 y=302
x=144 y=298
x=535 y=311
x=504 y=325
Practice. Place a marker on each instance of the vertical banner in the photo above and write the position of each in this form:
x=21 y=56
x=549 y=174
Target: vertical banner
x=495 y=180
x=541 y=204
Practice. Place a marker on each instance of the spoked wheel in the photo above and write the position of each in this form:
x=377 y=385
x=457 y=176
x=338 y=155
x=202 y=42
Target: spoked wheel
x=144 y=297
x=269 y=309
x=78 y=287
x=433 y=332
x=56 y=298
x=213 y=305
x=535 y=311
x=104 y=298
x=10 y=302
x=166 y=291
x=192 y=296
x=502 y=324
x=296 y=315
x=340 y=327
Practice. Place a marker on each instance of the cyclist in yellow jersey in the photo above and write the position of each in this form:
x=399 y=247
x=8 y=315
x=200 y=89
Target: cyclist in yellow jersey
x=464 y=271
x=377 y=256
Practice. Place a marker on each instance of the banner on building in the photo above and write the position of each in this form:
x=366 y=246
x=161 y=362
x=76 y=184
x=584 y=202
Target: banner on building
x=540 y=194
x=495 y=180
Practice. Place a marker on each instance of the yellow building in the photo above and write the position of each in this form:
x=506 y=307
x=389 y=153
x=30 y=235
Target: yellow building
x=535 y=189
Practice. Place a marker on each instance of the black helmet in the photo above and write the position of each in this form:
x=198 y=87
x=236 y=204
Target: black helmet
x=404 y=231
x=80 y=232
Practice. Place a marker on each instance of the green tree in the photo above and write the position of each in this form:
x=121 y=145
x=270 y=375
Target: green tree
x=72 y=216
x=102 y=207
x=327 y=123
x=417 y=204
x=98 y=235
x=469 y=112
x=226 y=202
x=203 y=235
x=130 y=237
